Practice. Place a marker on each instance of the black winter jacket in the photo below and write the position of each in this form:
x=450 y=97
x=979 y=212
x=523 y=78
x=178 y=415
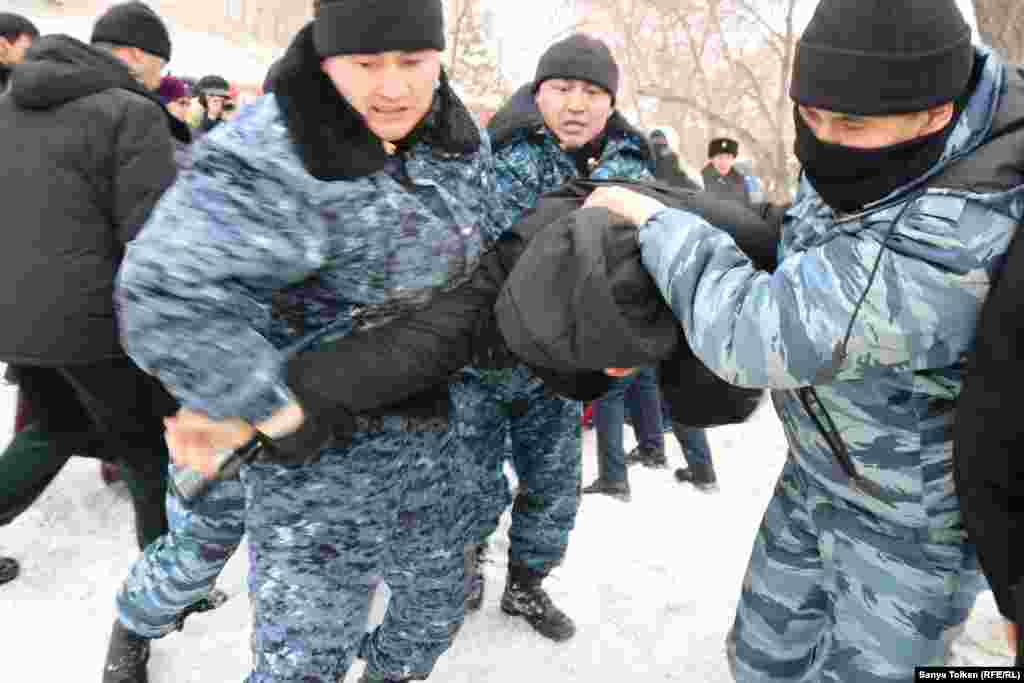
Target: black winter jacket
x=730 y=186
x=668 y=171
x=86 y=155
x=371 y=370
x=579 y=299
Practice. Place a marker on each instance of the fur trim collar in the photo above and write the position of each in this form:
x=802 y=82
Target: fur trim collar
x=332 y=138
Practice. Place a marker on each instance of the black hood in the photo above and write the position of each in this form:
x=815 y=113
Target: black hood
x=333 y=139
x=520 y=116
x=59 y=69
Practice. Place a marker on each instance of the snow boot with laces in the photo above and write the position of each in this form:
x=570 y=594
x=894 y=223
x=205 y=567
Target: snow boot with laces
x=525 y=598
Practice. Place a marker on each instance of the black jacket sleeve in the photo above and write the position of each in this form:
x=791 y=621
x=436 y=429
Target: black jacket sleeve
x=383 y=366
x=989 y=435
x=145 y=168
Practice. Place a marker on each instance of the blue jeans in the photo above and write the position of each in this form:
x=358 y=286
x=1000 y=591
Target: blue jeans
x=694 y=443
x=610 y=415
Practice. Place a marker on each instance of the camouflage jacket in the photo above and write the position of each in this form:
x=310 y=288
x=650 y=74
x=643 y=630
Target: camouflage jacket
x=263 y=245
x=875 y=312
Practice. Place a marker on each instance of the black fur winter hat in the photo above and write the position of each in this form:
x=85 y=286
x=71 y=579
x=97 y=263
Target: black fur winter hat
x=723 y=146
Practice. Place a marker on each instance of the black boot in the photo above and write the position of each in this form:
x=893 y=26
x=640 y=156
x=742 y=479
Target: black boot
x=525 y=598
x=9 y=569
x=648 y=457
x=615 y=489
x=476 y=582
x=702 y=476
x=127 y=656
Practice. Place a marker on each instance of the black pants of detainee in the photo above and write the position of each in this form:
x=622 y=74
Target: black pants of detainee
x=109 y=410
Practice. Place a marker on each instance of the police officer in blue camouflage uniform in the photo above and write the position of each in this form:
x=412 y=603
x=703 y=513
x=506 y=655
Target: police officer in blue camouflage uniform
x=355 y=194
x=561 y=127
x=861 y=569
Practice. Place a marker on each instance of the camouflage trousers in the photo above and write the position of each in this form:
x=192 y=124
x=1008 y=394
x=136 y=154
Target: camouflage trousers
x=322 y=535
x=834 y=593
x=182 y=566
x=546 y=452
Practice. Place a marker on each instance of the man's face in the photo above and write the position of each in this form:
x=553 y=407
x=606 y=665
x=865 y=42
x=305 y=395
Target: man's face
x=392 y=91
x=149 y=69
x=12 y=53
x=214 y=106
x=575 y=111
x=872 y=132
x=723 y=162
x=179 y=108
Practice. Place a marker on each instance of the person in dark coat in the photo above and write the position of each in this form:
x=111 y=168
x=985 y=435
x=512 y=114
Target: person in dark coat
x=989 y=476
x=16 y=36
x=94 y=147
x=667 y=168
x=721 y=178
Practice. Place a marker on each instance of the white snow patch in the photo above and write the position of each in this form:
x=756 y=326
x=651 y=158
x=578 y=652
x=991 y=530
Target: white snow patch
x=652 y=584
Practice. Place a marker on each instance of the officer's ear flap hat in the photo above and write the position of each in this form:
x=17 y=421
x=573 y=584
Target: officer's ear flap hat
x=355 y=27
x=580 y=58
x=723 y=146
x=880 y=57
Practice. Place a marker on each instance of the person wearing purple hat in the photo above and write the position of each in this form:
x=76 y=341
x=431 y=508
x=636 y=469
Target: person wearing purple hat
x=175 y=95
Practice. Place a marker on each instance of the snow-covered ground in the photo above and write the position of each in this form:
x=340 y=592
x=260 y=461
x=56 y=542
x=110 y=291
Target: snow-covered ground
x=652 y=584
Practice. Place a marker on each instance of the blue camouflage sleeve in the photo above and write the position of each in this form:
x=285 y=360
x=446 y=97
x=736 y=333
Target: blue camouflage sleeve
x=194 y=289
x=495 y=219
x=518 y=174
x=781 y=330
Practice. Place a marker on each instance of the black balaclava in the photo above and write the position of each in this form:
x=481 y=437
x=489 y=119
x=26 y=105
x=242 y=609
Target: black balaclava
x=877 y=58
x=849 y=178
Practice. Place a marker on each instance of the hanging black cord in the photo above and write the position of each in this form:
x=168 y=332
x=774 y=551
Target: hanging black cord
x=830 y=432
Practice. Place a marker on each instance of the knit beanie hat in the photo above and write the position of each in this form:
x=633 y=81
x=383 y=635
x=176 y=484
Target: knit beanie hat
x=879 y=57
x=133 y=24
x=171 y=89
x=583 y=58
x=12 y=26
x=723 y=146
x=358 y=27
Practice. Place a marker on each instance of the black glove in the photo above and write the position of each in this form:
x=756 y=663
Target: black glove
x=327 y=428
